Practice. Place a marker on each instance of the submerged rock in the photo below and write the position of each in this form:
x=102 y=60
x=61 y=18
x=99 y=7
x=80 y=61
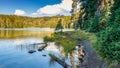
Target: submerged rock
x=31 y=51
x=43 y=55
x=39 y=49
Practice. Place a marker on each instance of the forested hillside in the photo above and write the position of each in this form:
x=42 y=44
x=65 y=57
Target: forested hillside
x=102 y=17
x=12 y=21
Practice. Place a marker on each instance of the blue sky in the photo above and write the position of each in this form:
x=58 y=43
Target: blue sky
x=35 y=7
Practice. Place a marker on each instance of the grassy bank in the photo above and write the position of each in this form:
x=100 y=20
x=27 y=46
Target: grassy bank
x=68 y=40
x=61 y=39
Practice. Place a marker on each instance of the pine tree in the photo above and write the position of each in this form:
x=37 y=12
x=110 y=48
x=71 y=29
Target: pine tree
x=109 y=39
x=59 y=26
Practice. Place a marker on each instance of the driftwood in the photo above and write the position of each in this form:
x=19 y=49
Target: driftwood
x=61 y=62
x=42 y=47
x=39 y=49
x=37 y=43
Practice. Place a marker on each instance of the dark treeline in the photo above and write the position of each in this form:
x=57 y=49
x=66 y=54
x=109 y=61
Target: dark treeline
x=13 y=21
x=101 y=17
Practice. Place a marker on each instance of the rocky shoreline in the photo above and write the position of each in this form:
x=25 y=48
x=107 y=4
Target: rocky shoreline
x=90 y=59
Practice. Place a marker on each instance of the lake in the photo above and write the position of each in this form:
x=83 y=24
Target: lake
x=15 y=44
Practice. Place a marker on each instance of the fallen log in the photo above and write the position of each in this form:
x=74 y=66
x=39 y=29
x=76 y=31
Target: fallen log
x=37 y=43
x=42 y=47
x=61 y=62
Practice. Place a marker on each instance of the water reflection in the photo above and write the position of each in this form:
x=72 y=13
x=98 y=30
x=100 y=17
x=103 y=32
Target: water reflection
x=23 y=33
x=76 y=56
x=15 y=44
x=26 y=44
x=52 y=47
x=14 y=55
x=74 y=59
x=14 y=47
x=18 y=41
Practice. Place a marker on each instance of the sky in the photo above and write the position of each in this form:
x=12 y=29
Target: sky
x=35 y=8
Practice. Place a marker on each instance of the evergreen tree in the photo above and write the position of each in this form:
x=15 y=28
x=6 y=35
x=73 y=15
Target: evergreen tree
x=109 y=39
x=59 y=26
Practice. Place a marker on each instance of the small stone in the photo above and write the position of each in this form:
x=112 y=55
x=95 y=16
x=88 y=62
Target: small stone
x=31 y=51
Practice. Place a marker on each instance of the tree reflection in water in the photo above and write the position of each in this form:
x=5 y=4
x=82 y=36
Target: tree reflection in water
x=74 y=58
x=9 y=34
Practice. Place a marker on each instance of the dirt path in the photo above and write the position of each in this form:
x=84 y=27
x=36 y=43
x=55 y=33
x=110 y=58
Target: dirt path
x=90 y=60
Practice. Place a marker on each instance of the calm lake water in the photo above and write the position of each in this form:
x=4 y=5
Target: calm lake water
x=15 y=44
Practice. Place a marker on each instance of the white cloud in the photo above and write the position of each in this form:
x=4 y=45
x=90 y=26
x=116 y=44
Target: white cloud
x=63 y=8
x=19 y=12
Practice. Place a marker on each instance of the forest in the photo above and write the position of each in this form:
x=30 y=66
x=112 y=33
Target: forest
x=101 y=17
x=13 y=21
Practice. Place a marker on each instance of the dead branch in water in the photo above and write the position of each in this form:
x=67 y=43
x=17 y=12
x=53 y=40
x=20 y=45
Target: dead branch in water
x=61 y=62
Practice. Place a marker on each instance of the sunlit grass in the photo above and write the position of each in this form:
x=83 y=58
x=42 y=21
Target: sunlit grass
x=67 y=44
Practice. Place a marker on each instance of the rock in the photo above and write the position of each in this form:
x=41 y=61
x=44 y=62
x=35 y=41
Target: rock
x=86 y=30
x=31 y=51
x=74 y=49
x=43 y=55
x=39 y=49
